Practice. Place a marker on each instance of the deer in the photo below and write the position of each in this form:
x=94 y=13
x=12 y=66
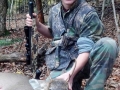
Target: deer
x=14 y=81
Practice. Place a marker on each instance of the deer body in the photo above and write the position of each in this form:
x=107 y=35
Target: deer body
x=13 y=81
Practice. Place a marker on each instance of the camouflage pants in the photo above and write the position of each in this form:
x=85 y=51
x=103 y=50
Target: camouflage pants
x=102 y=58
x=99 y=66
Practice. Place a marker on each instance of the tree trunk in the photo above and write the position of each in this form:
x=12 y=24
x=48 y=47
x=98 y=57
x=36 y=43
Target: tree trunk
x=40 y=10
x=3 y=11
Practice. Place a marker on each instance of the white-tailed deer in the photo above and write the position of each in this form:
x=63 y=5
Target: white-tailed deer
x=13 y=81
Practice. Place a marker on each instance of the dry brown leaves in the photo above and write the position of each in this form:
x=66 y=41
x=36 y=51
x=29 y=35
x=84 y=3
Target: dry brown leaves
x=113 y=82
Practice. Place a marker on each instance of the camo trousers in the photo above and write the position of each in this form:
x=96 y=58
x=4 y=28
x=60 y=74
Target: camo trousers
x=102 y=58
x=99 y=66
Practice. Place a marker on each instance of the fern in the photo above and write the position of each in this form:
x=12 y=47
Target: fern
x=6 y=42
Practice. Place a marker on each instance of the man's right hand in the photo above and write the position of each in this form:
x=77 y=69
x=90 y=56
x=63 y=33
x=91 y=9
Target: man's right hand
x=29 y=21
x=41 y=28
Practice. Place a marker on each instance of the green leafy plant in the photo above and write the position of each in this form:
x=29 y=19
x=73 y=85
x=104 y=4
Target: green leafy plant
x=6 y=42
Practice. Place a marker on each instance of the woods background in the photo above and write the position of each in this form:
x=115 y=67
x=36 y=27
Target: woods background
x=12 y=37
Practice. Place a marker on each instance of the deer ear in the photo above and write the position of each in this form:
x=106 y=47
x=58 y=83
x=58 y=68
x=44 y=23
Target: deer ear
x=34 y=83
x=39 y=84
x=50 y=79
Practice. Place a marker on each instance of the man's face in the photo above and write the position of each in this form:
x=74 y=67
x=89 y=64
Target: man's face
x=68 y=2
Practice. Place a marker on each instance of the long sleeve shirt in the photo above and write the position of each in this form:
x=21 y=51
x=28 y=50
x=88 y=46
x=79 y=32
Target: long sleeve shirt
x=77 y=30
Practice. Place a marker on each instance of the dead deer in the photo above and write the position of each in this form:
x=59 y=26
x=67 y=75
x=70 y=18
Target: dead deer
x=13 y=81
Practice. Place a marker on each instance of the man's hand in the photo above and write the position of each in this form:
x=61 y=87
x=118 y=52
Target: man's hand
x=78 y=65
x=29 y=21
x=67 y=77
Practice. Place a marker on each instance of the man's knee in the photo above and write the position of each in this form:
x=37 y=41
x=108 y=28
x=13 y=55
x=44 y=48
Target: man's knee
x=110 y=45
x=104 y=50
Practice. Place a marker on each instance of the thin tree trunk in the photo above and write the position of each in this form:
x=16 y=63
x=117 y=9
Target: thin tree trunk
x=103 y=7
x=3 y=11
x=116 y=23
x=40 y=10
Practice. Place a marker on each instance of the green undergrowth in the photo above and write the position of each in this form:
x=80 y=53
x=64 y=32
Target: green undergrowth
x=7 y=42
x=5 y=34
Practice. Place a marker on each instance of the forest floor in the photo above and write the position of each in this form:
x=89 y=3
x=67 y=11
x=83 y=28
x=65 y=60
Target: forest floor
x=113 y=82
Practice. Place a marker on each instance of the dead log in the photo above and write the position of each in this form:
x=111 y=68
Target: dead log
x=13 y=57
x=20 y=57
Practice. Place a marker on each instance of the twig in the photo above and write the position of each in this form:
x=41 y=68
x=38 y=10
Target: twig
x=116 y=23
x=103 y=7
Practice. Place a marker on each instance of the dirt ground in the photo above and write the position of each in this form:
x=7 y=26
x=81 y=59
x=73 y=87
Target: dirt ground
x=113 y=82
